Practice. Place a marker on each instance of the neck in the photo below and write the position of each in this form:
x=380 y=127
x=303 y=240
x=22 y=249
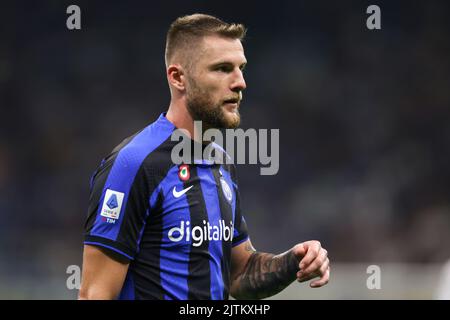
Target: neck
x=181 y=119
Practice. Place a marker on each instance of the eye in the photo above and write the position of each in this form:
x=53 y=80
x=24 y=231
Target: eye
x=225 y=69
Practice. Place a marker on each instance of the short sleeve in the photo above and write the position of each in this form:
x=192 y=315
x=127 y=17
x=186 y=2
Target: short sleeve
x=118 y=204
x=240 y=226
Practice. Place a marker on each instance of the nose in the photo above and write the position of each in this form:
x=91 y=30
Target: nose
x=238 y=83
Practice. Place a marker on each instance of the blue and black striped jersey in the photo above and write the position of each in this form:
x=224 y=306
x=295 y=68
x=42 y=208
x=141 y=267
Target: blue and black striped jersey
x=175 y=224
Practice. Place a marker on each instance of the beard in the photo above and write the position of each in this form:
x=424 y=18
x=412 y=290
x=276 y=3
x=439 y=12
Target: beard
x=202 y=107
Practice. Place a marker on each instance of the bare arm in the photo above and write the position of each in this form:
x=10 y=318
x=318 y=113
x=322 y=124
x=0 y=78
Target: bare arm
x=102 y=276
x=257 y=275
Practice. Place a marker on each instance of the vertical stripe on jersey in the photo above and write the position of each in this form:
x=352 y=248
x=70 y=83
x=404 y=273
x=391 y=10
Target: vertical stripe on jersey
x=227 y=213
x=226 y=175
x=214 y=216
x=127 y=292
x=240 y=226
x=147 y=276
x=174 y=256
x=199 y=269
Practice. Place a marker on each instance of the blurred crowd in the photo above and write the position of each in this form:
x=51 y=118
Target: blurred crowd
x=363 y=118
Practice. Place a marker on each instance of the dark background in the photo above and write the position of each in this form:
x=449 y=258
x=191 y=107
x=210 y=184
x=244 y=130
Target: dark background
x=363 y=118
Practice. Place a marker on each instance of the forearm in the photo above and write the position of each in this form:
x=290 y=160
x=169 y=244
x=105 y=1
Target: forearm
x=264 y=275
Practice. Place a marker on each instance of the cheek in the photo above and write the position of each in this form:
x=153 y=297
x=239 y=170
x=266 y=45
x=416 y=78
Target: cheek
x=211 y=87
x=214 y=83
x=213 y=93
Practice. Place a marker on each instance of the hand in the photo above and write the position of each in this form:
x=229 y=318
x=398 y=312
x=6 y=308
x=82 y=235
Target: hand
x=313 y=263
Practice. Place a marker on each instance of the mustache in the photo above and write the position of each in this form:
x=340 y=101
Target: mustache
x=234 y=99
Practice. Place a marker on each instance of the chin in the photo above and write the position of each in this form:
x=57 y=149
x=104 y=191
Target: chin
x=232 y=120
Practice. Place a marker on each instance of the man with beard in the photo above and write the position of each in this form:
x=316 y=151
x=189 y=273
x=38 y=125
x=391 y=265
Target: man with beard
x=157 y=230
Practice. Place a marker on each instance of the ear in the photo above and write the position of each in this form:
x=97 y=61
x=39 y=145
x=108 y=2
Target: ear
x=176 y=76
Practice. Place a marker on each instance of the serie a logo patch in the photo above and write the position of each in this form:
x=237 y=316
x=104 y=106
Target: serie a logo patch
x=183 y=172
x=112 y=204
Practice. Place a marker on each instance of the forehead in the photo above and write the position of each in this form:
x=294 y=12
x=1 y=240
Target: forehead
x=220 y=49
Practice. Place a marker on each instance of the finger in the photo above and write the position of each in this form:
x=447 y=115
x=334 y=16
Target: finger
x=317 y=273
x=317 y=263
x=312 y=250
x=324 y=267
x=322 y=281
x=302 y=277
x=300 y=251
x=308 y=277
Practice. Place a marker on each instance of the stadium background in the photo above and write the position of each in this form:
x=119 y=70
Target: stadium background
x=363 y=118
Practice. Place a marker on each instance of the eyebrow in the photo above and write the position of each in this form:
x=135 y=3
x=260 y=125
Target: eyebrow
x=227 y=63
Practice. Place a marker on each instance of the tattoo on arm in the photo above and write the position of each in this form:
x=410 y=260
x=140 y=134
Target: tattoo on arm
x=265 y=274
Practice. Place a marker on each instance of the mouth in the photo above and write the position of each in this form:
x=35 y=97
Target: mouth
x=232 y=101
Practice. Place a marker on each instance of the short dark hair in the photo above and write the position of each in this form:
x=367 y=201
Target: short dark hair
x=184 y=31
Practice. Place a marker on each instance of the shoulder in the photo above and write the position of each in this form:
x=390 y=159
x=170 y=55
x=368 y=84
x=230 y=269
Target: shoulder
x=145 y=152
x=148 y=150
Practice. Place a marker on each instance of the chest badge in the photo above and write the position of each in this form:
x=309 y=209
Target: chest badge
x=226 y=190
x=183 y=172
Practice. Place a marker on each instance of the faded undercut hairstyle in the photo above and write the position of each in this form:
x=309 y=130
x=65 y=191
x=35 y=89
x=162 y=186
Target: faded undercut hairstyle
x=185 y=32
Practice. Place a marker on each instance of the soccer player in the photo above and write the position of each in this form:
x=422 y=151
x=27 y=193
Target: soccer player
x=157 y=230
